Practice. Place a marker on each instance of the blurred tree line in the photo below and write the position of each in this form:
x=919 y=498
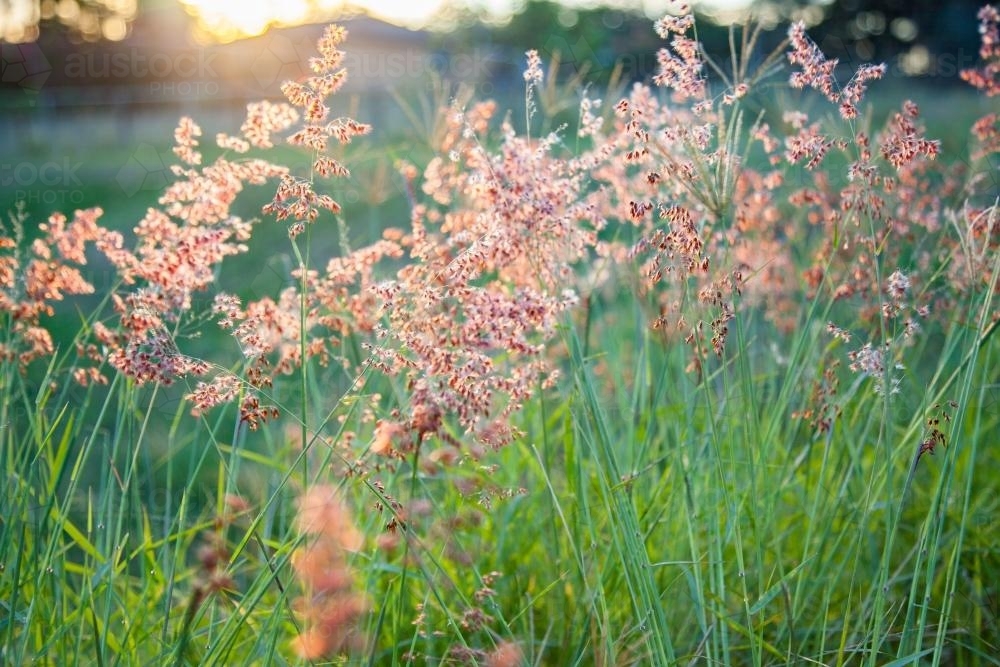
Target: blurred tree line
x=919 y=38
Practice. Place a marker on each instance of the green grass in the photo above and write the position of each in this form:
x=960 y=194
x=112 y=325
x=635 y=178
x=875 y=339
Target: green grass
x=649 y=515
x=653 y=519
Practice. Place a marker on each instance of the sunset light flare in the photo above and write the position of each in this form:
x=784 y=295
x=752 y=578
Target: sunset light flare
x=229 y=20
x=226 y=20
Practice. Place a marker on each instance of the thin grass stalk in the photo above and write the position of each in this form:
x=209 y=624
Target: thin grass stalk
x=634 y=558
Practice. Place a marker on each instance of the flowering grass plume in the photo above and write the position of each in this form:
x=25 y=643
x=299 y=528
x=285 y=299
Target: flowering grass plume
x=296 y=198
x=987 y=77
x=496 y=239
x=693 y=206
x=490 y=275
x=330 y=607
x=32 y=280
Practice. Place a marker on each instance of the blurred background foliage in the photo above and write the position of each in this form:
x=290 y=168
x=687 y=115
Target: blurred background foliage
x=83 y=101
x=88 y=120
x=918 y=32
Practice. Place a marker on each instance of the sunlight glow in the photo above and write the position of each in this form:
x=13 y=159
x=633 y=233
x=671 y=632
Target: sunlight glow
x=225 y=20
x=231 y=19
x=91 y=19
